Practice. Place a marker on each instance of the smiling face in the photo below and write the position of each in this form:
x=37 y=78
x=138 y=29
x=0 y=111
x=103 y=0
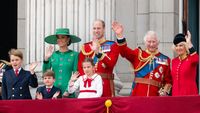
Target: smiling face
x=15 y=61
x=88 y=68
x=16 y=58
x=151 y=41
x=62 y=40
x=98 y=29
x=180 y=48
x=151 y=44
x=48 y=80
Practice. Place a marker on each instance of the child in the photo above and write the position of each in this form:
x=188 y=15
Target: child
x=48 y=91
x=90 y=84
x=16 y=81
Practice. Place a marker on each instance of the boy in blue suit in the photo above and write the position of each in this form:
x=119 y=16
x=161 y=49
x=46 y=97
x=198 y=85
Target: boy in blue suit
x=48 y=91
x=16 y=81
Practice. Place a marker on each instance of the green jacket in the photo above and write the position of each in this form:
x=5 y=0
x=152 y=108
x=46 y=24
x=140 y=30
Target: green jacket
x=63 y=64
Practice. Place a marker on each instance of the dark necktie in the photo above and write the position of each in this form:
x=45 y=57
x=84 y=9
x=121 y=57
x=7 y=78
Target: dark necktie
x=87 y=81
x=48 y=90
x=16 y=72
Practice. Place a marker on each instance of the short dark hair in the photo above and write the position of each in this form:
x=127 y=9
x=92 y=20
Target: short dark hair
x=103 y=23
x=68 y=44
x=69 y=41
x=87 y=59
x=49 y=73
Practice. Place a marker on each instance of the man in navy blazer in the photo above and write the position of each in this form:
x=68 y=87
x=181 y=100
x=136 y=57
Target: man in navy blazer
x=16 y=81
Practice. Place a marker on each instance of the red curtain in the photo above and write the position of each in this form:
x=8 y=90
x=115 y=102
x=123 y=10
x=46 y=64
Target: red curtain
x=187 y=104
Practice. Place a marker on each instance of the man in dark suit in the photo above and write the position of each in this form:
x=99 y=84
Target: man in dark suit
x=16 y=81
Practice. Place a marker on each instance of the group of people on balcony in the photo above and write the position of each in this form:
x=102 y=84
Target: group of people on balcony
x=91 y=70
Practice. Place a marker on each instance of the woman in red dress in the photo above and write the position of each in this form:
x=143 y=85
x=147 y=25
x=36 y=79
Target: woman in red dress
x=184 y=66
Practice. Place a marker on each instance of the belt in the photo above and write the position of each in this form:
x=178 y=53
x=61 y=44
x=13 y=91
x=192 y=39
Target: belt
x=111 y=78
x=148 y=81
x=90 y=91
x=106 y=76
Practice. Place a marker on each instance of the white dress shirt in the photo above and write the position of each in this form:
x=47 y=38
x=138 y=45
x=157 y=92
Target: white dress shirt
x=95 y=90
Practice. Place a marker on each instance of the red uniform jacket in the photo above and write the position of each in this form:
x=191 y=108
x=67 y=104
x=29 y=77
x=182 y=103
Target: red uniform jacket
x=184 y=75
x=154 y=67
x=104 y=64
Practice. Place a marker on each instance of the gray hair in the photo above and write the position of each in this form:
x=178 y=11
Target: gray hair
x=150 y=33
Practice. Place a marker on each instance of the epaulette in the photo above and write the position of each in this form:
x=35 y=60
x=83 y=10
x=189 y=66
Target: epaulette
x=84 y=47
x=143 y=61
x=5 y=64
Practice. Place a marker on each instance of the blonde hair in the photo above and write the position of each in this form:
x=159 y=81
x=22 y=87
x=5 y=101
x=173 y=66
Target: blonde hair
x=185 y=45
x=16 y=52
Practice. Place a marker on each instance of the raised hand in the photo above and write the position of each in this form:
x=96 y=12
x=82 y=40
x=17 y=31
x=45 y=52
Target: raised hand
x=56 y=95
x=32 y=67
x=65 y=94
x=95 y=45
x=74 y=77
x=188 y=39
x=118 y=29
x=38 y=96
x=49 y=51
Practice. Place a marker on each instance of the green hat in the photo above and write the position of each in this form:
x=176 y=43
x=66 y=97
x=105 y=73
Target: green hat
x=52 y=39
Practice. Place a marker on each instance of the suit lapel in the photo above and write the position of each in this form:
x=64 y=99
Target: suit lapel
x=13 y=77
x=20 y=76
x=46 y=94
x=52 y=90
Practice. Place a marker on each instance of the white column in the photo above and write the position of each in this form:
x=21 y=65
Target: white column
x=44 y=16
x=58 y=14
x=180 y=16
x=87 y=20
x=76 y=24
x=81 y=21
x=27 y=31
x=39 y=29
x=32 y=30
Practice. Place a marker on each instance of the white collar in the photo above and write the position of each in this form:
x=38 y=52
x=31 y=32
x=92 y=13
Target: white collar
x=18 y=69
x=92 y=77
x=49 y=86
